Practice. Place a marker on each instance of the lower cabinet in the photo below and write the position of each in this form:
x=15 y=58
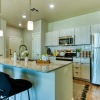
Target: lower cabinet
x=77 y=69
x=81 y=68
x=85 y=71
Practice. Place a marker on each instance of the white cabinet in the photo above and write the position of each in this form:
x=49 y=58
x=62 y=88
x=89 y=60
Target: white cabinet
x=36 y=46
x=95 y=28
x=66 y=32
x=76 y=67
x=52 y=38
x=85 y=67
x=81 y=68
x=82 y=35
x=64 y=83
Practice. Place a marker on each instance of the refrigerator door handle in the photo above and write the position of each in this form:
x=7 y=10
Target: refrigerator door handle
x=91 y=39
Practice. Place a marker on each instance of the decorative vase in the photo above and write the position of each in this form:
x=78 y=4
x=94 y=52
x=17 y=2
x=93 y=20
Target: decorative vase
x=26 y=59
x=78 y=54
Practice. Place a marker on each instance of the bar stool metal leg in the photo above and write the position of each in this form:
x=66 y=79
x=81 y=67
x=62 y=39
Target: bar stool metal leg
x=14 y=97
x=28 y=94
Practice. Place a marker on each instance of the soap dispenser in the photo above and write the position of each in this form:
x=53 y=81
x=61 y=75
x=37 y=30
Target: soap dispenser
x=15 y=56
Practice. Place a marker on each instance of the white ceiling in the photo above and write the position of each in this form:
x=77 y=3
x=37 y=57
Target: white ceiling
x=12 y=10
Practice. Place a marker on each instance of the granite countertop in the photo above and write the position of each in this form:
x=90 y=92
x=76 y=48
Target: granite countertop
x=54 y=64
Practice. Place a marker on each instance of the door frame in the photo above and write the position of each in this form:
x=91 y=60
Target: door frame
x=13 y=37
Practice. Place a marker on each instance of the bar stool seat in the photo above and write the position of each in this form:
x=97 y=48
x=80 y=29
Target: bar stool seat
x=10 y=86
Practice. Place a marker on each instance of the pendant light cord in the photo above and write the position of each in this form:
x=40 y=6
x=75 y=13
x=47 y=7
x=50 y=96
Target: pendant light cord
x=30 y=9
x=0 y=14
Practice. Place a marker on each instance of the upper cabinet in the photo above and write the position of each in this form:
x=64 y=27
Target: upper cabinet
x=66 y=32
x=82 y=35
x=95 y=28
x=52 y=38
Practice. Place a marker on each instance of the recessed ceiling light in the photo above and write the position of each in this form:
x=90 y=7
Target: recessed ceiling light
x=20 y=24
x=24 y=16
x=51 y=5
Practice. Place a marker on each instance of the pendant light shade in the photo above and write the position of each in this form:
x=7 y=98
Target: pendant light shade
x=30 y=25
x=1 y=33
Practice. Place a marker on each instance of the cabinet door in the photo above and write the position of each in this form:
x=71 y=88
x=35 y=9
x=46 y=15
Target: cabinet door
x=47 y=39
x=85 y=71
x=36 y=46
x=66 y=32
x=95 y=28
x=52 y=38
x=82 y=35
x=85 y=68
x=64 y=83
x=55 y=38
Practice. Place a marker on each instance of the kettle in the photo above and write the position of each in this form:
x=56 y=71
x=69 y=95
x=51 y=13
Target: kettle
x=48 y=51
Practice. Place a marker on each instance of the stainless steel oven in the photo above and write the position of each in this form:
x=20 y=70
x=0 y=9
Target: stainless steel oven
x=67 y=57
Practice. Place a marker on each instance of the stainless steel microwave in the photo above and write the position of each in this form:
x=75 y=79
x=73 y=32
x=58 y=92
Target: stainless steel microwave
x=66 y=40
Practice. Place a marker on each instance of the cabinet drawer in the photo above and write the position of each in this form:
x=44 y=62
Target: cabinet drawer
x=77 y=69
x=85 y=60
x=77 y=74
x=76 y=64
x=75 y=59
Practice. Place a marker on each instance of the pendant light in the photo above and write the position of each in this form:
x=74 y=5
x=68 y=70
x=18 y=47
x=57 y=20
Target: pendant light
x=1 y=31
x=30 y=23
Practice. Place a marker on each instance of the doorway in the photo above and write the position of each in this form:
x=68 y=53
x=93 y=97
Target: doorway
x=14 y=43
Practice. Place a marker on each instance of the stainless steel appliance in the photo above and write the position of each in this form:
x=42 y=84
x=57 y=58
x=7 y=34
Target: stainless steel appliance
x=67 y=57
x=66 y=40
x=96 y=58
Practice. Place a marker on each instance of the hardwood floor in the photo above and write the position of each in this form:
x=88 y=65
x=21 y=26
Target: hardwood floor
x=94 y=90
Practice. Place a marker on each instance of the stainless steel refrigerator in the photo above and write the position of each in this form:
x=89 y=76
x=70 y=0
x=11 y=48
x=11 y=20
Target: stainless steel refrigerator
x=95 y=74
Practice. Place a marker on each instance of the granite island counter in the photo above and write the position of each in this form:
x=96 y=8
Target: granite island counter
x=50 y=81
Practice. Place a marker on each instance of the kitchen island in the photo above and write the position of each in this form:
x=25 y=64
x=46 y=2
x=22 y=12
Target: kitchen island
x=50 y=81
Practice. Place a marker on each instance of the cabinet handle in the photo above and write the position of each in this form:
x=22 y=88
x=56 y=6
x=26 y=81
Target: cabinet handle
x=76 y=72
x=82 y=63
x=76 y=67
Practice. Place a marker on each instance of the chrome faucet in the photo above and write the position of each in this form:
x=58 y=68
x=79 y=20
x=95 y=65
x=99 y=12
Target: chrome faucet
x=20 y=49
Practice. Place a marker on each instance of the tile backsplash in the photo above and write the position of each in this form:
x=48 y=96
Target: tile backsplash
x=83 y=47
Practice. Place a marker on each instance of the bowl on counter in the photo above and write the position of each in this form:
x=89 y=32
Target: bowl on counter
x=62 y=53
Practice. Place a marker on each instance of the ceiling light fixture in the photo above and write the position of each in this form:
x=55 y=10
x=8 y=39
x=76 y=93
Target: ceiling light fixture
x=51 y=5
x=1 y=31
x=24 y=16
x=30 y=23
x=20 y=24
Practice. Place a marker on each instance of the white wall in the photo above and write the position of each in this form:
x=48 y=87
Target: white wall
x=12 y=32
x=2 y=39
x=27 y=40
x=27 y=36
x=87 y=19
x=82 y=20
x=39 y=26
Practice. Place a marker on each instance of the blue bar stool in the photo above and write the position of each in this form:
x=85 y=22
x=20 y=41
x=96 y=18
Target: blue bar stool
x=10 y=86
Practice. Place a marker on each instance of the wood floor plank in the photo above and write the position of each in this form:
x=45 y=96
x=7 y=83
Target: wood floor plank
x=94 y=90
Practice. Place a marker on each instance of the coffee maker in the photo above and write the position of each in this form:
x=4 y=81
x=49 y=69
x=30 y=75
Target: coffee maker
x=49 y=51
